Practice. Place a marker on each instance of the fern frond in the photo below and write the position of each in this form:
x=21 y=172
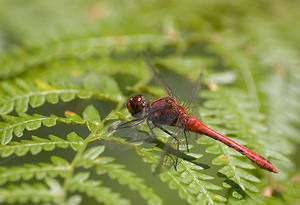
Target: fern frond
x=90 y=51
x=59 y=167
x=191 y=184
x=93 y=188
x=288 y=190
x=19 y=94
x=17 y=124
x=282 y=58
x=37 y=144
x=243 y=121
x=82 y=47
x=269 y=67
x=35 y=193
x=119 y=173
x=125 y=177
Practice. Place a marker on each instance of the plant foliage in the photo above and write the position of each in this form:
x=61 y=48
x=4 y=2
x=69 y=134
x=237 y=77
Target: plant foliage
x=64 y=84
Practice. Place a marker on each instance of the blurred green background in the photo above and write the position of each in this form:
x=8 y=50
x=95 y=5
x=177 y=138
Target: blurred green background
x=254 y=45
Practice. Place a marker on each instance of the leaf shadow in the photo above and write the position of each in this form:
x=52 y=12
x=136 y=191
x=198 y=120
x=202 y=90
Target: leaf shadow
x=234 y=185
x=162 y=145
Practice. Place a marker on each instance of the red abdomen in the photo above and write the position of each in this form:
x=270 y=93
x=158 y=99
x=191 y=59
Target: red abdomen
x=195 y=125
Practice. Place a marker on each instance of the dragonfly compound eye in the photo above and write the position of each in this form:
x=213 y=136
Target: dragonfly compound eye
x=129 y=106
x=136 y=104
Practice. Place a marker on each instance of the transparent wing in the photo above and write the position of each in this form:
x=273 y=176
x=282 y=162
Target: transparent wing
x=158 y=78
x=171 y=153
x=175 y=147
x=195 y=91
x=167 y=158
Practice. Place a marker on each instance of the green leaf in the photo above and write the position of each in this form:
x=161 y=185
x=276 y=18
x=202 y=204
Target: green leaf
x=19 y=124
x=22 y=193
x=21 y=93
x=22 y=105
x=66 y=97
x=220 y=160
x=73 y=116
x=91 y=113
x=125 y=177
x=74 y=200
x=52 y=98
x=37 y=144
x=6 y=135
x=28 y=171
x=93 y=152
x=92 y=116
x=85 y=94
x=58 y=161
x=75 y=138
x=101 y=194
x=6 y=107
x=37 y=100
x=215 y=149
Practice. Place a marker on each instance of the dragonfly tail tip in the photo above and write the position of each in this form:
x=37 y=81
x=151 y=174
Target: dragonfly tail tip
x=273 y=169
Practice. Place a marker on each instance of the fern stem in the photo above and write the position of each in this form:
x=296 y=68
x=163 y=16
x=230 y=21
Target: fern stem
x=229 y=157
x=70 y=175
x=73 y=165
x=12 y=126
x=78 y=156
x=250 y=84
x=37 y=144
x=203 y=190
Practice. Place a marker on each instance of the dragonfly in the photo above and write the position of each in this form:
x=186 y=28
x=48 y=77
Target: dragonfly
x=169 y=111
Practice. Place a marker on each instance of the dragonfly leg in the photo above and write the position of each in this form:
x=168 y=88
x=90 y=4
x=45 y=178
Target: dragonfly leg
x=177 y=153
x=148 y=139
x=176 y=138
x=151 y=129
x=186 y=141
x=127 y=124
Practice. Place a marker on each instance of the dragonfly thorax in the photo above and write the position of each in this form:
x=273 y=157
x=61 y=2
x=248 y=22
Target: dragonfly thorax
x=136 y=106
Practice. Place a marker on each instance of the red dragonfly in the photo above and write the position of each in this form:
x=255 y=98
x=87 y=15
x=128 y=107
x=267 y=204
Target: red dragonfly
x=167 y=111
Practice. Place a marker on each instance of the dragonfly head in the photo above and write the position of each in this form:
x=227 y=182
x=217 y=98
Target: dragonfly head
x=136 y=106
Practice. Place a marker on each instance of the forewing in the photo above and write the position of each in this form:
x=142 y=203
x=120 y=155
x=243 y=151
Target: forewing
x=167 y=157
x=171 y=152
x=195 y=91
x=158 y=78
